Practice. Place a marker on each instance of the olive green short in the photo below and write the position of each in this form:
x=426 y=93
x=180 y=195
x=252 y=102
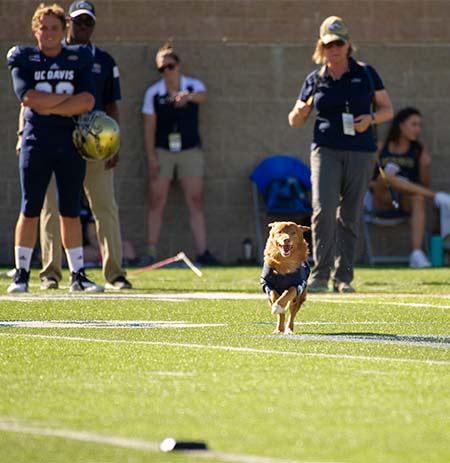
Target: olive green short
x=186 y=163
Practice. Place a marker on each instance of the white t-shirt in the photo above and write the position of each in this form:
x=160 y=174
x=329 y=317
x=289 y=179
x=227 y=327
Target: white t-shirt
x=159 y=88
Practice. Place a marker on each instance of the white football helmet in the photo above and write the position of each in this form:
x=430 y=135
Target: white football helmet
x=96 y=136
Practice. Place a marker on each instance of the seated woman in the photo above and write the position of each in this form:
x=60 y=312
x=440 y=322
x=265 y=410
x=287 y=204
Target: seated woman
x=406 y=164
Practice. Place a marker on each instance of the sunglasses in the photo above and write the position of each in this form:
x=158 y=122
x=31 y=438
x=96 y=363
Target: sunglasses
x=337 y=43
x=170 y=66
x=88 y=22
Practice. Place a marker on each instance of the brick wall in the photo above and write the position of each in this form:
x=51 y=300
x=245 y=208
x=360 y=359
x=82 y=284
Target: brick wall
x=253 y=57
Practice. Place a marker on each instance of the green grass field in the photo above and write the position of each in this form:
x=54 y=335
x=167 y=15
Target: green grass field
x=105 y=378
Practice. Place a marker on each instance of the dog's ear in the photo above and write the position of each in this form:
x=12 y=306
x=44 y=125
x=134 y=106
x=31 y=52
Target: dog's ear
x=271 y=225
x=303 y=228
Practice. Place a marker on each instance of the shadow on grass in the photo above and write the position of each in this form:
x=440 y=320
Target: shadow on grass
x=377 y=283
x=437 y=283
x=389 y=283
x=179 y=290
x=441 y=341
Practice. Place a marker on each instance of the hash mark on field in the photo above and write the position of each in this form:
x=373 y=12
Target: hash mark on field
x=171 y=373
x=250 y=350
x=16 y=426
x=375 y=372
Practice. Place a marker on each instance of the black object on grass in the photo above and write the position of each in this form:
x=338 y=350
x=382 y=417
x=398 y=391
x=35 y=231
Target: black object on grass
x=169 y=444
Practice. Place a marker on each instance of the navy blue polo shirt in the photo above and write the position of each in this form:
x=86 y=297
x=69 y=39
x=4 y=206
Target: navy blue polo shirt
x=106 y=78
x=170 y=118
x=331 y=99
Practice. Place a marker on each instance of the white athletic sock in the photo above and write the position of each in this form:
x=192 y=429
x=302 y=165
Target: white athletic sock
x=23 y=257
x=75 y=259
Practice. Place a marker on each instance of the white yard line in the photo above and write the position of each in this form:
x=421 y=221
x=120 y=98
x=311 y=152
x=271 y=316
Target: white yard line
x=32 y=297
x=232 y=349
x=8 y=425
x=150 y=324
x=132 y=295
x=110 y=324
x=79 y=436
x=367 y=322
x=389 y=299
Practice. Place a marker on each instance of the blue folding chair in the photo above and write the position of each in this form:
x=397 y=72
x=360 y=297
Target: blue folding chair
x=281 y=185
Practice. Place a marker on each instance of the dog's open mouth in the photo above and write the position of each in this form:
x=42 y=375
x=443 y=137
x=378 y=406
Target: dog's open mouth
x=285 y=249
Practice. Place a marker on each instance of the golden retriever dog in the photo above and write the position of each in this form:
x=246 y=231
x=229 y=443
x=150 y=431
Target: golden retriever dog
x=285 y=272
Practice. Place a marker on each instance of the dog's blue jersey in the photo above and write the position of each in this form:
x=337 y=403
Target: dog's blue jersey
x=70 y=72
x=271 y=280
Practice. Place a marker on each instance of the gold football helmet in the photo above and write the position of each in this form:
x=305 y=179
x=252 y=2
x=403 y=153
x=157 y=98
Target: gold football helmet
x=96 y=136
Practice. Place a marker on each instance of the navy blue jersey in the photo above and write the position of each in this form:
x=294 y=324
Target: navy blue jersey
x=106 y=77
x=70 y=72
x=408 y=162
x=332 y=98
x=271 y=280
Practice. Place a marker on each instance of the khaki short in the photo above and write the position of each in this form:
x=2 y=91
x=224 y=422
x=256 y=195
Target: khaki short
x=186 y=163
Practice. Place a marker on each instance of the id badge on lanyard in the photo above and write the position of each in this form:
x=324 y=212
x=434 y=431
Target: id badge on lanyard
x=348 y=121
x=175 y=143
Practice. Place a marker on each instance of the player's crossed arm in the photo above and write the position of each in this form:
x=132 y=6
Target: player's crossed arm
x=59 y=104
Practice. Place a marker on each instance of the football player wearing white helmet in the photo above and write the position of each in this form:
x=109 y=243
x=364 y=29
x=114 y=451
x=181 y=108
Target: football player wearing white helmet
x=53 y=84
x=98 y=136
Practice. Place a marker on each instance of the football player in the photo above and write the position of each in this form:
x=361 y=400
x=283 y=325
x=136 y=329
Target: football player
x=53 y=83
x=99 y=180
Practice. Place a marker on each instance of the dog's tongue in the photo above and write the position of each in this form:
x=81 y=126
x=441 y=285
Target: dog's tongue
x=286 y=249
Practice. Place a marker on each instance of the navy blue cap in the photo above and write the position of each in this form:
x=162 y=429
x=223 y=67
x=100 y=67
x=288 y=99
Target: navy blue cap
x=81 y=7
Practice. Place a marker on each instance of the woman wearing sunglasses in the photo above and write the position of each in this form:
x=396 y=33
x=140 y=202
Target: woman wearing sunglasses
x=172 y=143
x=342 y=91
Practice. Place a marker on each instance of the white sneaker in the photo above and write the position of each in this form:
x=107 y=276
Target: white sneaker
x=418 y=259
x=20 y=283
x=442 y=199
x=80 y=282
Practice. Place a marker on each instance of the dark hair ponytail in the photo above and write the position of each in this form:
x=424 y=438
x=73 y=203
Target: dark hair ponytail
x=394 y=132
